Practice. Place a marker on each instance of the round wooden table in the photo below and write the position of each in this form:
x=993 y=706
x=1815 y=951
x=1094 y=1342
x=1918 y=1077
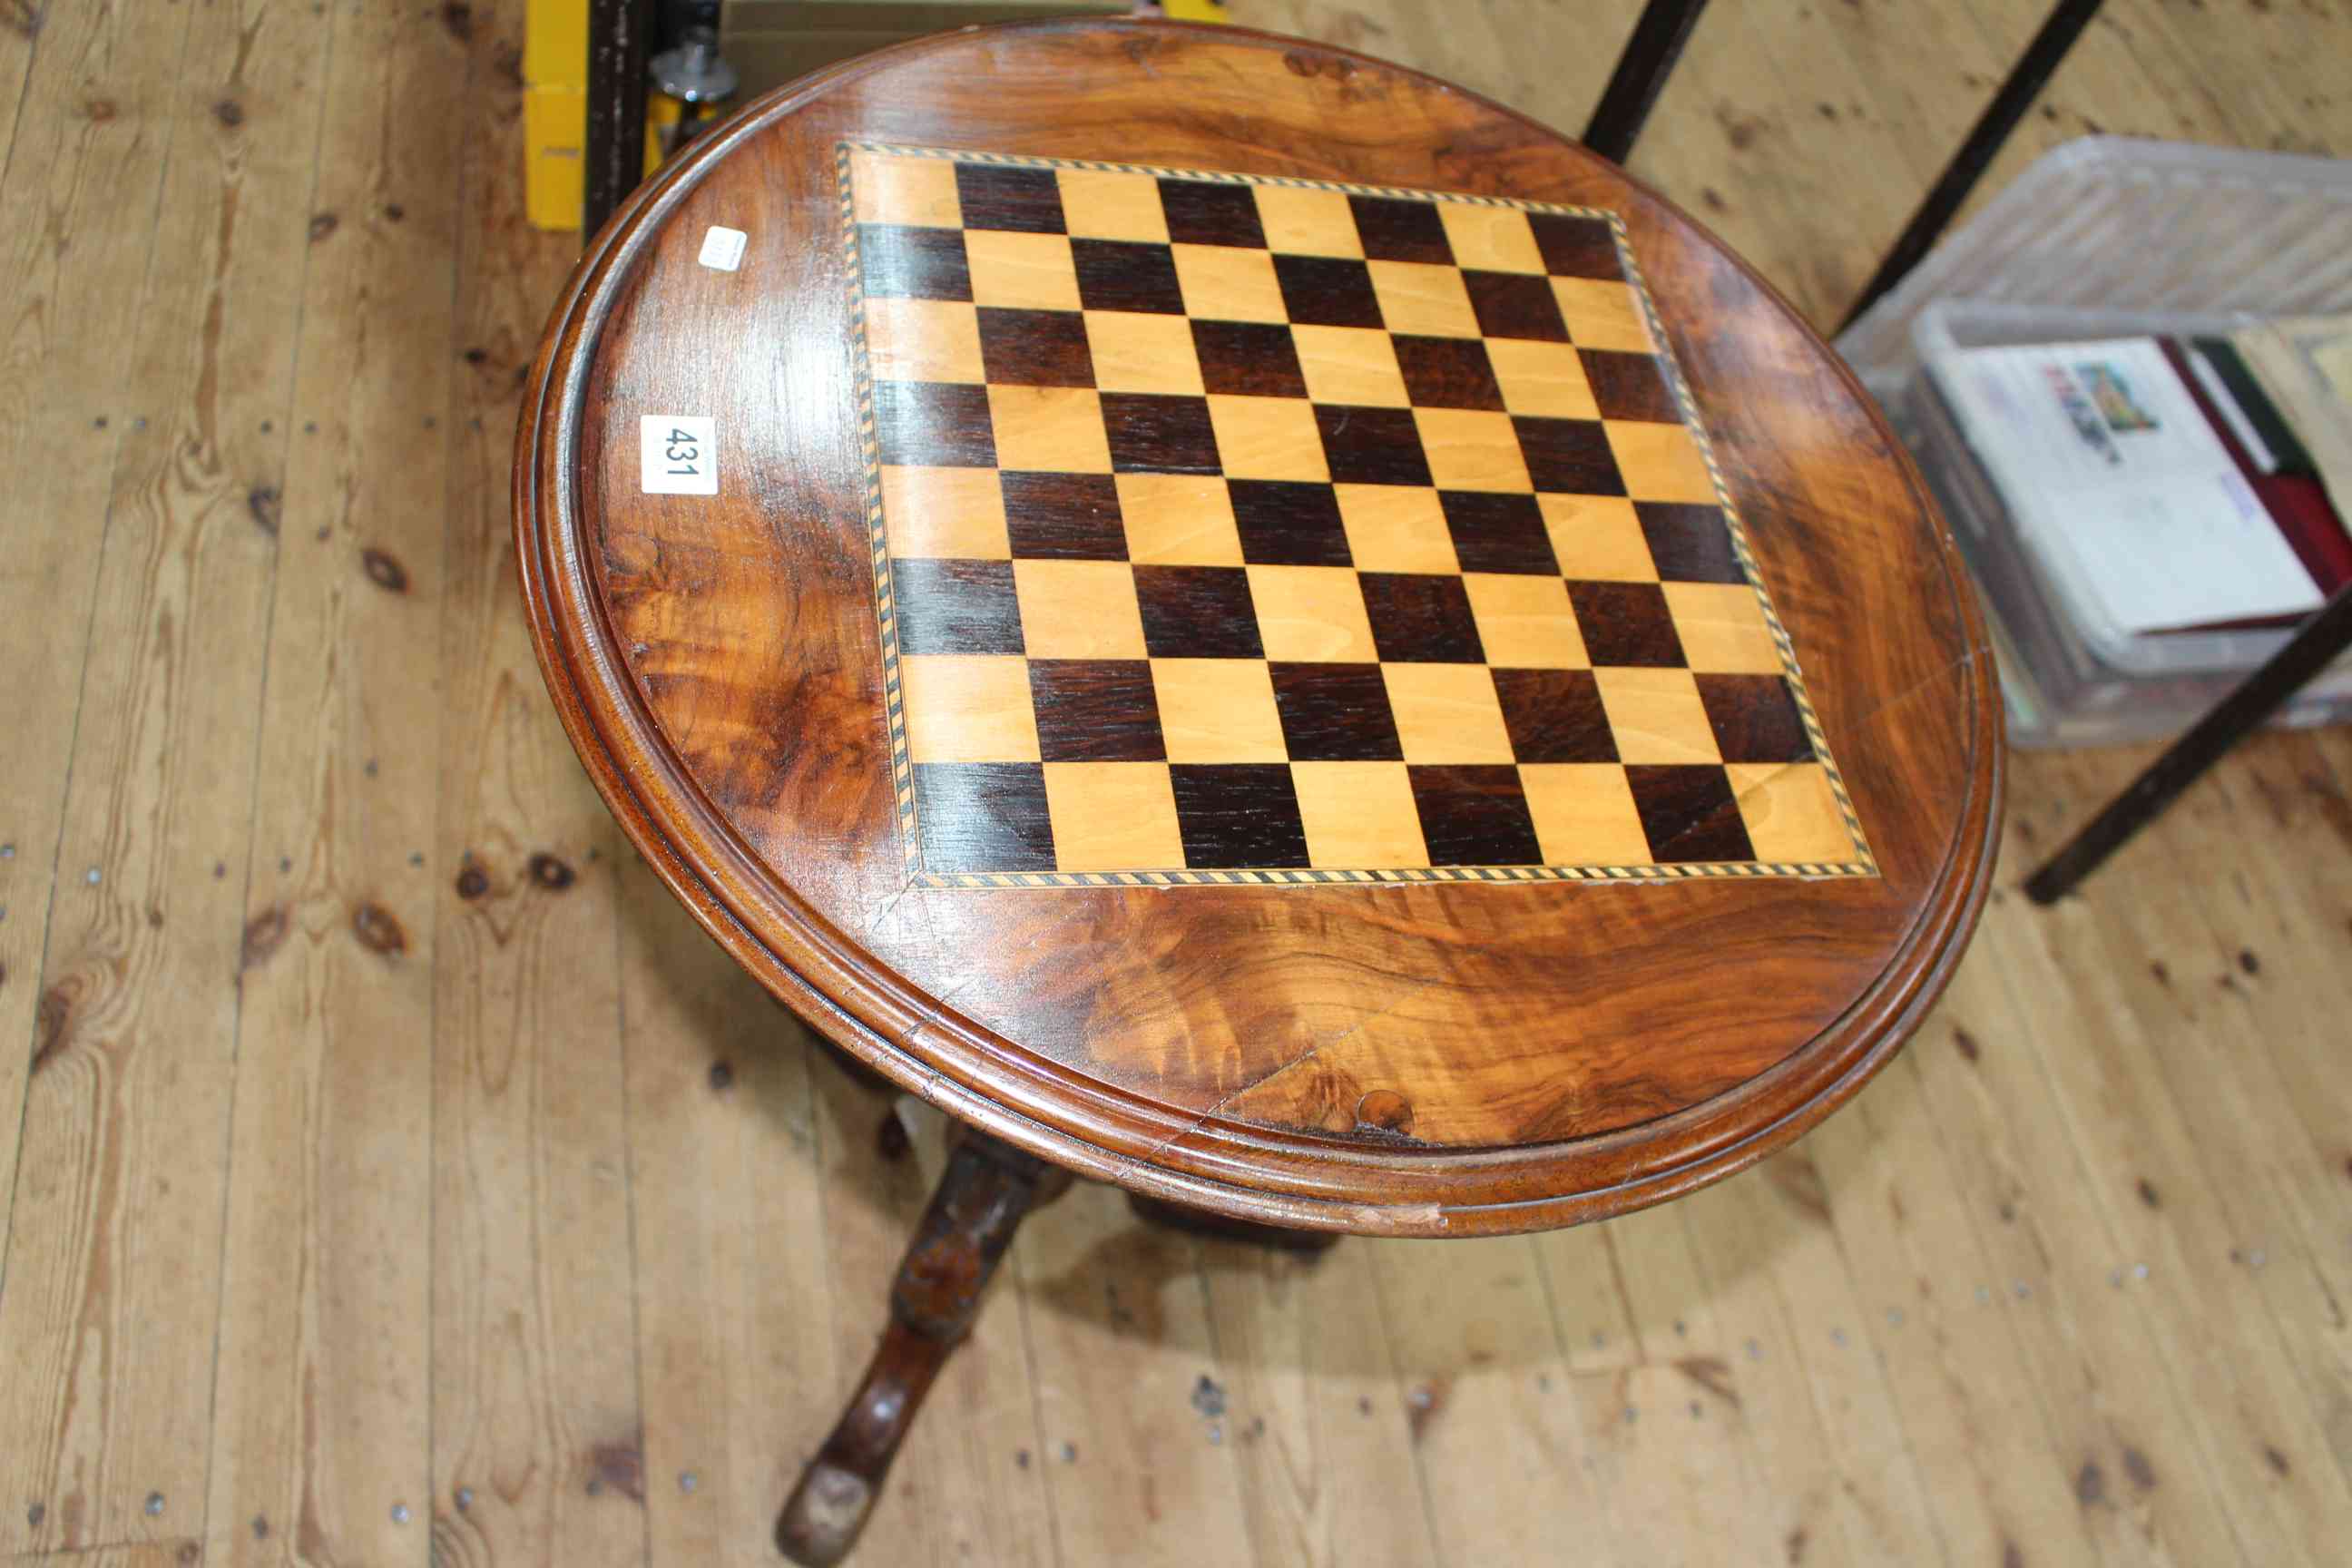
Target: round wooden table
x=1256 y=626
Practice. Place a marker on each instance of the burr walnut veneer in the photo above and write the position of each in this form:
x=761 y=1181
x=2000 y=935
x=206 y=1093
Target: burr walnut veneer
x=1256 y=626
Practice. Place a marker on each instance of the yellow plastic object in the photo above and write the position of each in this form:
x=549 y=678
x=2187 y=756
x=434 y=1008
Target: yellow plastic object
x=555 y=71
x=554 y=124
x=555 y=44
x=555 y=113
x=663 y=115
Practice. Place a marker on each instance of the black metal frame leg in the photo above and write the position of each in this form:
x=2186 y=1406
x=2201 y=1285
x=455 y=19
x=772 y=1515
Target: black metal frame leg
x=620 y=35
x=1640 y=75
x=2031 y=75
x=2316 y=644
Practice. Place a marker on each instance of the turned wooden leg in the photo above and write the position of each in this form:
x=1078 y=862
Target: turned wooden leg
x=989 y=1187
x=1201 y=1222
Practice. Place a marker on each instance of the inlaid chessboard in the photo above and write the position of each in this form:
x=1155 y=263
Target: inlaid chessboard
x=1237 y=529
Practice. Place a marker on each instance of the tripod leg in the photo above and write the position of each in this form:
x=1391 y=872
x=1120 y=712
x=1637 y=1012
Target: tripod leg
x=988 y=1189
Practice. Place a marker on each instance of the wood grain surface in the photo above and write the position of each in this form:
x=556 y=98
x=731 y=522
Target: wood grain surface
x=68 y=452
x=338 y=952
x=536 y=1398
x=1564 y=1052
x=2064 y=1121
x=127 y=1112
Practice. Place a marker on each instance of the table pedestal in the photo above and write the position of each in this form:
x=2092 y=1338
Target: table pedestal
x=988 y=1189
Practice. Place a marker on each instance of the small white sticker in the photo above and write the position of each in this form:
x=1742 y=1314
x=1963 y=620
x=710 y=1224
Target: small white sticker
x=679 y=453
x=722 y=249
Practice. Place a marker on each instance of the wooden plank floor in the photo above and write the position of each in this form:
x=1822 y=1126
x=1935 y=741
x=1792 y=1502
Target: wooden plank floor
x=391 y=1175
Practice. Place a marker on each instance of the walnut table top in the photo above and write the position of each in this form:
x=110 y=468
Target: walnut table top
x=1259 y=626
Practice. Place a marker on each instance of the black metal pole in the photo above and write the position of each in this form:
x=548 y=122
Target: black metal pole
x=620 y=34
x=2316 y=644
x=1640 y=75
x=2033 y=73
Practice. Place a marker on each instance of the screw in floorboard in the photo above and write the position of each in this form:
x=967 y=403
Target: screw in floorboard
x=154 y=1504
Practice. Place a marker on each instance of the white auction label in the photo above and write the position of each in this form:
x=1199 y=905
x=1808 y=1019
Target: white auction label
x=722 y=248
x=679 y=454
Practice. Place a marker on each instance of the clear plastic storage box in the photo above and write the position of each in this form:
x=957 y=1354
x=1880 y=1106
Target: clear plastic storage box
x=2108 y=237
x=2071 y=678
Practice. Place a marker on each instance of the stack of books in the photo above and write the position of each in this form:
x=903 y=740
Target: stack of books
x=2148 y=516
